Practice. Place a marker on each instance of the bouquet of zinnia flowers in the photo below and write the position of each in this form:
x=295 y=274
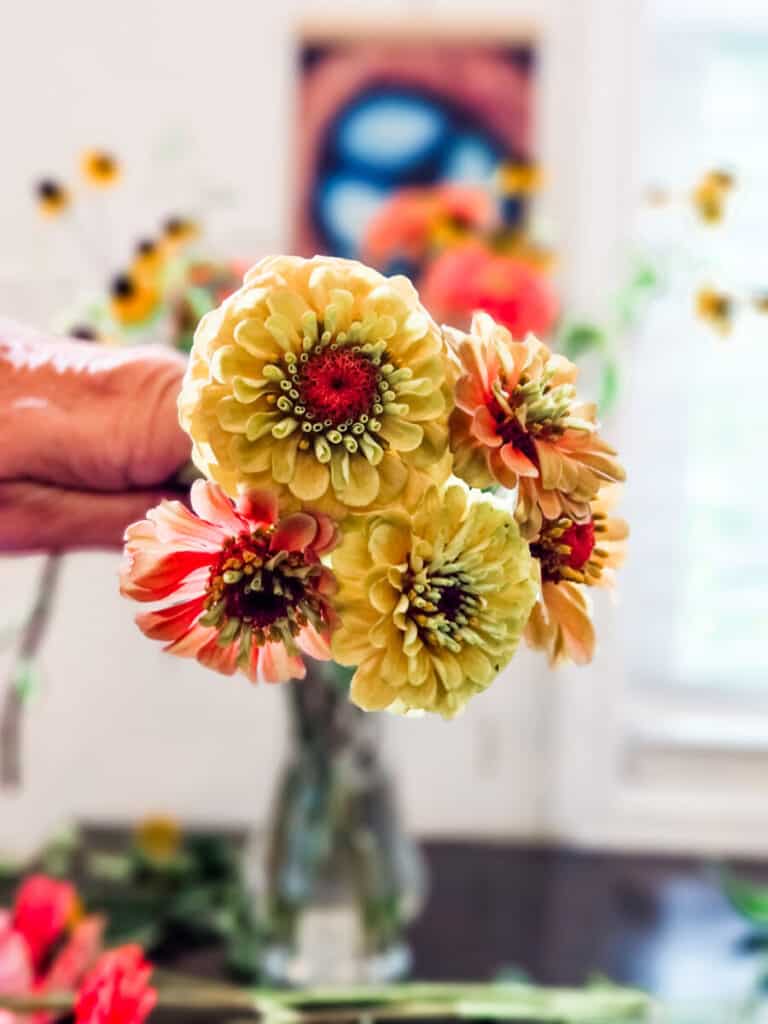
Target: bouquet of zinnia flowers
x=406 y=499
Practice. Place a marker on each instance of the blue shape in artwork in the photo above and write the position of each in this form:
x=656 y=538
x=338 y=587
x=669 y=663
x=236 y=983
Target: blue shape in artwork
x=470 y=159
x=391 y=132
x=345 y=205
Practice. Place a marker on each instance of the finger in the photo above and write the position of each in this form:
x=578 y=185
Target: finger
x=38 y=518
x=86 y=416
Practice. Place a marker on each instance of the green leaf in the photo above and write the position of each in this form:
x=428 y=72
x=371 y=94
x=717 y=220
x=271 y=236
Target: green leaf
x=749 y=898
x=25 y=678
x=580 y=338
x=609 y=387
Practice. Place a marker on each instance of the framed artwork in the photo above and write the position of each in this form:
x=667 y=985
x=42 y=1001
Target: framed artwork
x=380 y=111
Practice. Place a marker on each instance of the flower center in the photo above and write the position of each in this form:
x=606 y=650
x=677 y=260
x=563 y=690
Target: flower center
x=269 y=595
x=564 y=549
x=336 y=385
x=533 y=408
x=335 y=391
x=511 y=431
x=444 y=606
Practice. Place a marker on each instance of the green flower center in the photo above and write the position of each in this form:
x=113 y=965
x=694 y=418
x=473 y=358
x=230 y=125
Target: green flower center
x=445 y=607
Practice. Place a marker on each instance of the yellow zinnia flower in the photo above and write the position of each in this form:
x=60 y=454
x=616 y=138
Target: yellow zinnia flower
x=324 y=378
x=433 y=603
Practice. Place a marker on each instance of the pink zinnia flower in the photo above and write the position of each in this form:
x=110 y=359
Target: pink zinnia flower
x=44 y=947
x=472 y=277
x=16 y=973
x=44 y=909
x=117 y=991
x=254 y=591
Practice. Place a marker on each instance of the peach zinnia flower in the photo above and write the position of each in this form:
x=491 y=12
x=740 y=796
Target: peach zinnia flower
x=574 y=556
x=517 y=423
x=252 y=591
x=471 y=277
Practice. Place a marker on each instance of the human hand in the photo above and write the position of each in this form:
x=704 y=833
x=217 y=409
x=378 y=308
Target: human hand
x=89 y=439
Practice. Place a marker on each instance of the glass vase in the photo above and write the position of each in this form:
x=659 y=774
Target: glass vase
x=337 y=879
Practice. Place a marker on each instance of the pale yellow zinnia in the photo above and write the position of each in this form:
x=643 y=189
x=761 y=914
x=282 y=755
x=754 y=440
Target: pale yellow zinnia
x=324 y=378
x=432 y=603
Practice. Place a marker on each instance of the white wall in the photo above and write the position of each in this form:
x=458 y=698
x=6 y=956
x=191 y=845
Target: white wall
x=120 y=729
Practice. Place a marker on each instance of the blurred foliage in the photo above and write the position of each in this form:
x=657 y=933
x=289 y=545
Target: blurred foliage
x=581 y=338
x=164 y=899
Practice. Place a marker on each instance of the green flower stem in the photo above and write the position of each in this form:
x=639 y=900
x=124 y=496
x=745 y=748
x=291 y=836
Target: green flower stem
x=19 y=682
x=424 y=1001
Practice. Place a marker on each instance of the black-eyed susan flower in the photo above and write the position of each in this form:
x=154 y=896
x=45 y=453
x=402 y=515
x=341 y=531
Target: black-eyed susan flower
x=52 y=197
x=84 y=332
x=518 y=178
x=715 y=308
x=132 y=300
x=573 y=557
x=518 y=423
x=178 y=232
x=710 y=194
x=148 y=260
x=99 y=168
x=432 y=604
x=324 y=378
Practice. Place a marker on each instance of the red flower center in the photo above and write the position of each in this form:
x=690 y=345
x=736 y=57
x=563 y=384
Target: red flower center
x=338 y=385
x=563 y=549
x=580 y=538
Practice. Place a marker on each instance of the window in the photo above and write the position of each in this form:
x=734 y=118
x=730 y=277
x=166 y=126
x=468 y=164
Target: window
x=696 y=590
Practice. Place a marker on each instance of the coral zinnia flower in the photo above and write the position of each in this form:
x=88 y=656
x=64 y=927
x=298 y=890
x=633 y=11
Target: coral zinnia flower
x=117 y=991
x=471 y=277
x=573 y=556
x=418 y=218
x=321 y=376
x=517 y=423
x=254 y=591
x=432 y=604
